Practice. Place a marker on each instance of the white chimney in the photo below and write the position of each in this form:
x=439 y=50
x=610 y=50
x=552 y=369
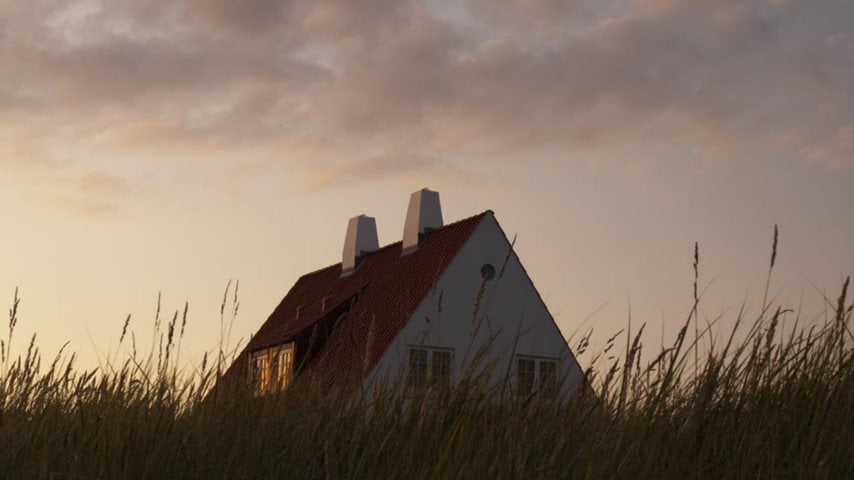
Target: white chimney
x=424 y=214
x=361 y=238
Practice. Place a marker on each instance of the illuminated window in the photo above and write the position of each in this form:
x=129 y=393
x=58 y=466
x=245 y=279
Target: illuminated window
x=285 y=365
x=260 y=371
x=271 y=368
x=429 y=366
x=255 y=370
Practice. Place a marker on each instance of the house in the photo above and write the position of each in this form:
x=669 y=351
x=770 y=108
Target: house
x=417 y=311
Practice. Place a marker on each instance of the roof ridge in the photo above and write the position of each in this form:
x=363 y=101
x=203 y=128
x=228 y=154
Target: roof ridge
x=389 y=245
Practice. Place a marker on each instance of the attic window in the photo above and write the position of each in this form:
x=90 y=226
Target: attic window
x=259 y=372
x=487 y=272
x=271 y=369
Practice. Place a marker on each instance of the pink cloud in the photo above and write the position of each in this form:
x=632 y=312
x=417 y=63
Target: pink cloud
x=330 y=86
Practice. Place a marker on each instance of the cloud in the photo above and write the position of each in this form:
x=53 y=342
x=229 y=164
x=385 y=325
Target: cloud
x=402 y=166
x=79 y=207
x=99 y=182
x=93 y=195
x=379 y=88
x=837 y=152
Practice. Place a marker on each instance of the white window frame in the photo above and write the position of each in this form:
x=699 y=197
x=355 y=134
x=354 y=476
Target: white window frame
x=275 y=367
x=537 y=386
x=282 y=374
x=259 y=366
x=429 y=380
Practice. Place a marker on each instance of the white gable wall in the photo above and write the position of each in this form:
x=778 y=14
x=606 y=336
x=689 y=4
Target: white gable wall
x=516 y=319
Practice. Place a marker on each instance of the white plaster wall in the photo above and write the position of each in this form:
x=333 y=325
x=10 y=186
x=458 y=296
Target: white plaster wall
x=516 y=319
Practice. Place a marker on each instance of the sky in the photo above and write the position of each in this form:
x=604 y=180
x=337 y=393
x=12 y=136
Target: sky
x=151 y=147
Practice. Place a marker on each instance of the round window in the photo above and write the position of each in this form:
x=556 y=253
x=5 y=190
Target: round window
x=487 y=272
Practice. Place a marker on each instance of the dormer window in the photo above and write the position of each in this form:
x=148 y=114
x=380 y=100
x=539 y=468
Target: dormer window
x=271 y=369
x=260 y=371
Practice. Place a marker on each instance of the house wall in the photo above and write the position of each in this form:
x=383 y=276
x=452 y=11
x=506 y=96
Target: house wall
x=466 y=314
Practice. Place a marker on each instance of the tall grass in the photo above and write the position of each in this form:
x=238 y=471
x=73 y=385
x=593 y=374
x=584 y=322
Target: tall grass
x=761 y=404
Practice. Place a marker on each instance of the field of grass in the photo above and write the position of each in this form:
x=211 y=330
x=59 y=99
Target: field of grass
x=759 y=403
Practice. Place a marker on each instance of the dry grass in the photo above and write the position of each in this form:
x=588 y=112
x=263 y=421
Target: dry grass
x=761 y=405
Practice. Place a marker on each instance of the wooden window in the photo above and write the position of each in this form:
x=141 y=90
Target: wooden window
x=260 y=371
x=271 y=368
x=535 y=374
x=254 y=370
x=429 y=367
x=285 y=366
x=274 y=369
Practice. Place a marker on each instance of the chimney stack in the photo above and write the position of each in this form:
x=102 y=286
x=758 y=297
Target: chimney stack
x=424 y=214
x=361 y=239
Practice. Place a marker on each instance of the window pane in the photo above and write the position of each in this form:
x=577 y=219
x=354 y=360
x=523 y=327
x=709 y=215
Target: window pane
x=525 y=375
x=274 y=369
x=258 y=371
x=284 y=372
x=254 y=374
x=263 y=374
x=440 y=368
x=417 y=368
x=548 y=377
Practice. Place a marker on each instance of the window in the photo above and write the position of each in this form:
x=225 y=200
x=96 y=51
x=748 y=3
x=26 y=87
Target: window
x=440 y=369
x=271 y=368
x=255 y=370
x=417 y=367
x=487 y=272
x=548 y=377
x=429 y=366
x=525 y=370
x=536 y=375
x=274 y=369
x=260 y=372
x=285 y=364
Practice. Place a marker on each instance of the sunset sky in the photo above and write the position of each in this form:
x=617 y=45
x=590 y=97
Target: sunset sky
x=153 y=146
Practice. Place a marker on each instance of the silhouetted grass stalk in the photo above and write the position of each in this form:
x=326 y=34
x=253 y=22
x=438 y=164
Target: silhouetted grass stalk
x=762 y=405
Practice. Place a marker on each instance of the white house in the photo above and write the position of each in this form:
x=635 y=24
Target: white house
x=416 y=311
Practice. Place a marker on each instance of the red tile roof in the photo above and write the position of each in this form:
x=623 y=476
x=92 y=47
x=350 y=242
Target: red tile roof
x=370 y=306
